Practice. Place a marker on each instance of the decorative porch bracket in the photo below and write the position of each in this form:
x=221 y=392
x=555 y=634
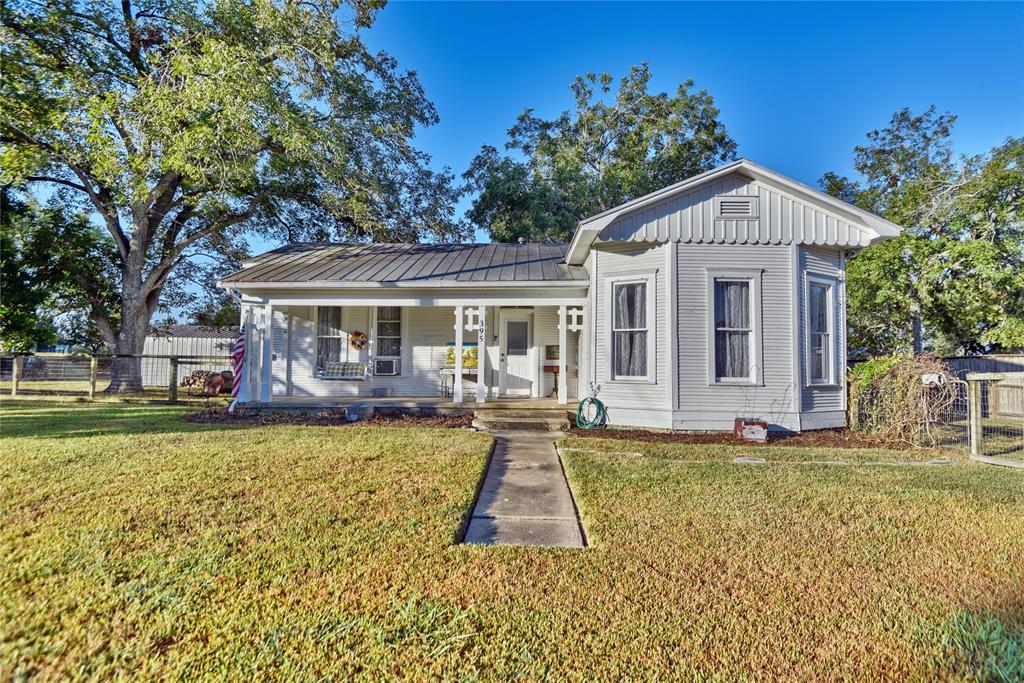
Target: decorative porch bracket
x=574 y=316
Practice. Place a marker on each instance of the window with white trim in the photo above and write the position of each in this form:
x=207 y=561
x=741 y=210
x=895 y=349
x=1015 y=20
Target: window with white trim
x=734 y=330
x=820 y=331
x=629 y=330
x=331 y=340
x=388 y=341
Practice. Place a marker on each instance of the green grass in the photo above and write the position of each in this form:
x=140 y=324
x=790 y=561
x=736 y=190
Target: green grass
x=134 y=544
x=771 y=453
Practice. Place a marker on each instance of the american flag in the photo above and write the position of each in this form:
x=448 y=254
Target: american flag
x=237 y=360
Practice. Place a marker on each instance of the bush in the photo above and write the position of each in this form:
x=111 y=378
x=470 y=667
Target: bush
x=888 y=398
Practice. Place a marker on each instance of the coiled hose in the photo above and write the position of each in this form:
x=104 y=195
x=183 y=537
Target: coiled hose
x=599 y=418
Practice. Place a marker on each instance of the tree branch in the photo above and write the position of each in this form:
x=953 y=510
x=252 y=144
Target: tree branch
x=100 y=196
x=58 y=181
x=170 y=259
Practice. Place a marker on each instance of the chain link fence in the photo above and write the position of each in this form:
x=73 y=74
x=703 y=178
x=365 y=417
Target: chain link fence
x=169 y=378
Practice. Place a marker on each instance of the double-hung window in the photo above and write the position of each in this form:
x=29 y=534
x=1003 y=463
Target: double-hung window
x=629 y=330
x=388 y=342
x=734 y=344
x=733 y=330
x=331 y=340
x=820 y=332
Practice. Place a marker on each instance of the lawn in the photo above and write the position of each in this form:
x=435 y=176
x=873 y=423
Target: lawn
x=133 y=543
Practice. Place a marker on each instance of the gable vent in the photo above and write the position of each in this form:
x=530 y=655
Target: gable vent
x=741 y=208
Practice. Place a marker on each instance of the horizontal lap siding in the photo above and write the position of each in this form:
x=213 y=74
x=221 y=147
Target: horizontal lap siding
x=699 y=402
x=690 y=218
x=629 y=395
x=426 y=333
x=823 y=262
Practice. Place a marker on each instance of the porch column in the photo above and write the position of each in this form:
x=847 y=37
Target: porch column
x=563 y=382
x=460 y=325
x=245 y=385
x=266 y=366
x=481 y=353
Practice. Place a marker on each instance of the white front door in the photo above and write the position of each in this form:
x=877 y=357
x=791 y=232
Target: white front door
x=515 y=342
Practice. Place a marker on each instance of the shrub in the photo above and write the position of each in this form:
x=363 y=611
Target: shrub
x=888 y=397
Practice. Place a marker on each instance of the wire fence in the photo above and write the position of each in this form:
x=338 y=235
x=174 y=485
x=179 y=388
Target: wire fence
x=996 y=419
x=170 y=378
x=946 y=423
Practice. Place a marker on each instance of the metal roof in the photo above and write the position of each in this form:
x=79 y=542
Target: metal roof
x=347 y=264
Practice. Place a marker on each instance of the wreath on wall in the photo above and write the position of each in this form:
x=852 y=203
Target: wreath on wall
x=357 y=340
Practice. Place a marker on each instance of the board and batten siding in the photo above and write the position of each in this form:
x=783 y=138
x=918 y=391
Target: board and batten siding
x=632 y=402
x=690 y=218
x=824 y=406
x=703 y=405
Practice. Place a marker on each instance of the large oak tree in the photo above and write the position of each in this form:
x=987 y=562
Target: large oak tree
x=180 y=124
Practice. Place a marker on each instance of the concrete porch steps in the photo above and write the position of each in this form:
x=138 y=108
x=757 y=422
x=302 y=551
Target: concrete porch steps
x=510 y=419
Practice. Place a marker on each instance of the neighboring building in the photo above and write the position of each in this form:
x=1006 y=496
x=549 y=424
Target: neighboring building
x=185 y=341
x=719 y=297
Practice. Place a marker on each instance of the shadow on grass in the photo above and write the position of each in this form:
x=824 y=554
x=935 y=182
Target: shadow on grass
x=63 y=420
x=985 y=647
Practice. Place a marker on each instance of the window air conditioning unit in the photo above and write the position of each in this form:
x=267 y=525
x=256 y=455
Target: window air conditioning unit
x=385 y=367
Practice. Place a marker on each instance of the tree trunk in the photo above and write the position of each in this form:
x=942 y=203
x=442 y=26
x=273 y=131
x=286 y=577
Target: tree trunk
x=136 y=310
x=126 y=373
x=917 y=340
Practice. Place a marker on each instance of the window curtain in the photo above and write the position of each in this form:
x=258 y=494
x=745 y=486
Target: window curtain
x=732 y=329
x=389 y=331
x=330 y=339
x=631 y=330
x=818 y=319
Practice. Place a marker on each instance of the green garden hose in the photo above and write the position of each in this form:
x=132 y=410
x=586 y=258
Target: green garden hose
x=599 y=418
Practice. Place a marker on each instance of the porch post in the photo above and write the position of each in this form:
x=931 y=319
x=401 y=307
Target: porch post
x=245 y=386
x=267 y=336
x=563 y=383
x=460 y=326
x=481 y=353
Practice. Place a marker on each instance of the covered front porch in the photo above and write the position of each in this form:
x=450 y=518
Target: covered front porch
x=398 y=349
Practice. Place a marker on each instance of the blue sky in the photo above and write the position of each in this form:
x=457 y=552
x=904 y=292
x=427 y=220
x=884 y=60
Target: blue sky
x=798 y=85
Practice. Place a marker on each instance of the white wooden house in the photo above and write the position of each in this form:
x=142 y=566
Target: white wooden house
x=719 y=297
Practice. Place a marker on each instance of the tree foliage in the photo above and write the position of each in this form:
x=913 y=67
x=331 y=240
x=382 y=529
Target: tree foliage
x=959 y=265
x=54 y=263
x=595 y=157
x=183 y=123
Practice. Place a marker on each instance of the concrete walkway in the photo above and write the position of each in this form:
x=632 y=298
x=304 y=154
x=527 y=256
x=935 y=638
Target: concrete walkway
x=525 y=499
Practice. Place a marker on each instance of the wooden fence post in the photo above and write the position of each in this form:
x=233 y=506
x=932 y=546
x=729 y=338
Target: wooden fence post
x=173 y=381
x=15 y=374
x=93 y=373
x=974 y=415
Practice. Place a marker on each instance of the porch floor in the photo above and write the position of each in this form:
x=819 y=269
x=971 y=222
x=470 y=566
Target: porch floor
x=411 y=403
